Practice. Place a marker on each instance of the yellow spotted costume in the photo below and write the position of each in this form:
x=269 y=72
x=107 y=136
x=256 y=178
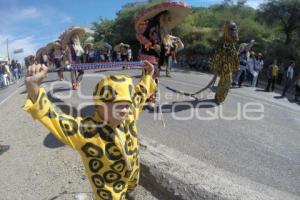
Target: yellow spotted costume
x=110 y=155
x=225 y=61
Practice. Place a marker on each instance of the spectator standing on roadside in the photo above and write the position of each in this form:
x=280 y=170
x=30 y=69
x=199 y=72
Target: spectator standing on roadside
x=243 y=56
x=15 y=70
x=259 y=66
x=272 y=74
x=7 y=73
x=251 y=64
x=289 y=78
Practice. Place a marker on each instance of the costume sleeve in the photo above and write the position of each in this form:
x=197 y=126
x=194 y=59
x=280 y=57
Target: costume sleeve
x=64 y=127
x=143 y=90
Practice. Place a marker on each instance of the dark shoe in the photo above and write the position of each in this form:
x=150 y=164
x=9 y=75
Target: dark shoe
x=3 y=148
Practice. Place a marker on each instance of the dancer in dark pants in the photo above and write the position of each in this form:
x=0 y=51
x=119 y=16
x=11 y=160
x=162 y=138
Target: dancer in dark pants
x=272 y=75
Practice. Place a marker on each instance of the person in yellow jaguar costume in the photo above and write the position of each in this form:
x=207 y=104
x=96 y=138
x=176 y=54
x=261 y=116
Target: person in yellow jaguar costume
x=107 y=142
x=225 y=60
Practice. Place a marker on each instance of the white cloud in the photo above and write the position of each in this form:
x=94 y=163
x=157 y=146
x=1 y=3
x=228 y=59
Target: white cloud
x=28 y=44
x=28 y=13
x=254 y=3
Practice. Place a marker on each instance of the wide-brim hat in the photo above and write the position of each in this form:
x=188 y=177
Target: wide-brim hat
x=53 y=45
x=68 y=34
x=177 y=10
x=90 y=45
x=120 y=47
x=41 y=51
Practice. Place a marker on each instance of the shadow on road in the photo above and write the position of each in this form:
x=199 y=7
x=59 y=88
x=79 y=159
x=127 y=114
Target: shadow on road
x=51 y=142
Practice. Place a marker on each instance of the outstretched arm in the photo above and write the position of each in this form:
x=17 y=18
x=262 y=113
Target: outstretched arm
x=64 y=127
x=145 y=88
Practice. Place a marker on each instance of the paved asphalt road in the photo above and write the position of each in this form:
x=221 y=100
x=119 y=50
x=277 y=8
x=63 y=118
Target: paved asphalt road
x=266 y=150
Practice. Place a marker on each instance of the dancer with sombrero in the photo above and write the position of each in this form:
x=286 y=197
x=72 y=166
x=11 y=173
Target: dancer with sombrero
x=174 y=44
x=55 y=53
x=71 y=42
x=41 y=56
x=152 y=31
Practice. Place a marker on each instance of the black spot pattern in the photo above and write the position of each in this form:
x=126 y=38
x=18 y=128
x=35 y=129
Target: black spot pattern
x=92 y=150
x=69 y=126
x=106 y=133
x=98 y=181
x=131 y=129
x=108 y=94
x=88 y=128
x=129 y=147
x=118 y=166
x=104 y=194
x=112 y=152
x=119 y=186
x=42 y=101
x=119 y=79
x=95 y=165
x=111 y=176
x=51 y=114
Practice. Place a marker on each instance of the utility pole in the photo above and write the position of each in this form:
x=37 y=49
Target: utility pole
x=7 y=50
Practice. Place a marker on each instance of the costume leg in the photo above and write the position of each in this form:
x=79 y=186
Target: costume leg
x=168 y=65
x=73 y=79
x=241 y=78
x=80 y=76
x=273 y=83
x=132 y=184
x=223 y=88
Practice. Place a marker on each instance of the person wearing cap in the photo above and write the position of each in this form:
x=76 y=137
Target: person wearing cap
x=243 y=57
x=107 y=141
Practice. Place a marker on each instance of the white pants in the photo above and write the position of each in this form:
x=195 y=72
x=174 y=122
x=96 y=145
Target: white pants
x=255 y=77
x=4 y=79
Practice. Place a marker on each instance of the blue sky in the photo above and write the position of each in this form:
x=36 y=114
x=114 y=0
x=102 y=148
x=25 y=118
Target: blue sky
x=30 y=24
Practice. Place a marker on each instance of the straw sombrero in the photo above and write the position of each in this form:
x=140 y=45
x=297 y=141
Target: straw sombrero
x=120 y=47
x=68 y=34
x=90 y=45
x=41 y=51
x=177 y=10
x=90 y=39
x=51 y=46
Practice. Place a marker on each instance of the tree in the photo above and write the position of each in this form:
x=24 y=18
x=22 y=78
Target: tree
x=285 y=13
